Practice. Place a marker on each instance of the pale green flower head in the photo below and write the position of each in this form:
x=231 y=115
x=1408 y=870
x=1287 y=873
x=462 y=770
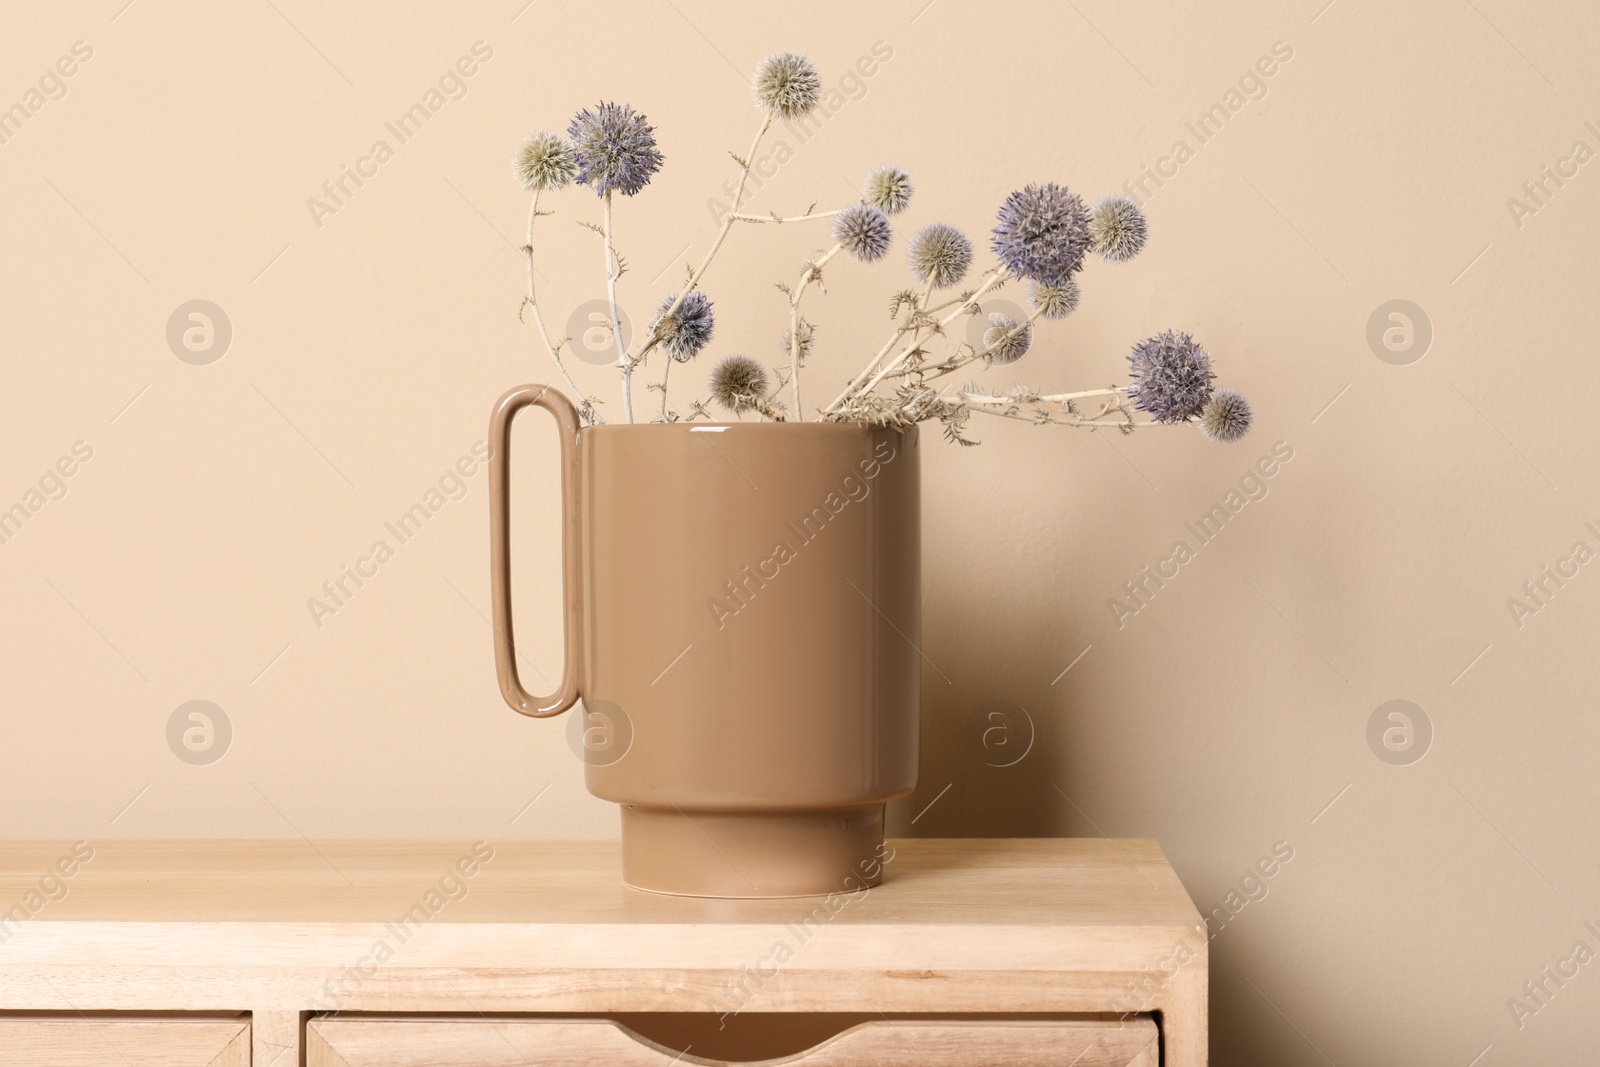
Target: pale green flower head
x=786 y=85
x=544 y=160
x=888 y=189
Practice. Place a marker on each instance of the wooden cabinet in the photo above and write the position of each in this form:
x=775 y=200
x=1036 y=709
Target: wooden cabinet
x=90 y=1041
x=555 y=1042
x=506 y=954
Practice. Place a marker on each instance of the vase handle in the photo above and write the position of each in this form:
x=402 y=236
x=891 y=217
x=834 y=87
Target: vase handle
x=505 y=650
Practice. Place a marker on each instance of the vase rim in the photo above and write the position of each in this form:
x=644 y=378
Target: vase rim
x=746 y=427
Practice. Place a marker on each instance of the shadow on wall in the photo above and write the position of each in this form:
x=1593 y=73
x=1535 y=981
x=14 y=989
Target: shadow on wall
x=991 y=763
x=1021 y=739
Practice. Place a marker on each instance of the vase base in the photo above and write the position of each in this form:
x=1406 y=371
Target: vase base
x=752 y=854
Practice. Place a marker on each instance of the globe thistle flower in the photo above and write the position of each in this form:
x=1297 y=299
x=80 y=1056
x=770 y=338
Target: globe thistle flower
x=1170 y=377
x=615 y=149
x=739 y=384
x=686 y=330
x=1006 y=340
x=1043 y=233
x=1054 y=301
x=544 y=160
x=940 y=254
x=1118 y=228
x=787 y=85
x=864 y=231
x=888 y=189
x=1226 y=417
x=803 y=349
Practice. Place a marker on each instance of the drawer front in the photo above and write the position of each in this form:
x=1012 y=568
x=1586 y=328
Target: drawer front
x=90 y=1041
x=509 y=1042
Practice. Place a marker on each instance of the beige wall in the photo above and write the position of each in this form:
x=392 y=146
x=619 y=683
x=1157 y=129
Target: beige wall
x=1228 y=715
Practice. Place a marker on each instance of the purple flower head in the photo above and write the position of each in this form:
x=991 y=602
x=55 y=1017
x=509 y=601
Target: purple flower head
x=616 y=149
x=864 y=231
x=688 y=329
x=1170 y=377
x=1043 y=233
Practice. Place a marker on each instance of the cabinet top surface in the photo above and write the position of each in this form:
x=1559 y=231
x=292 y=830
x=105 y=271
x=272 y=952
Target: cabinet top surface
x=927 y=882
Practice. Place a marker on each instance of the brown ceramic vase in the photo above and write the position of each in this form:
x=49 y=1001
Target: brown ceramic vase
x=743 y=612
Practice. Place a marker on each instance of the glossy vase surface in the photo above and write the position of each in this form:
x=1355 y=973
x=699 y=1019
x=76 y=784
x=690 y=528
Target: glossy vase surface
x=743 y=616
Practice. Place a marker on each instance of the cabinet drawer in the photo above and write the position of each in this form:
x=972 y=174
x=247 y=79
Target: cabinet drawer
x=568 y=1042
x=91 y=1041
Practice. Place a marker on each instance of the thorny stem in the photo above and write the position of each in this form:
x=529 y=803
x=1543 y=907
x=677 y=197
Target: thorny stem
x=722 y=234
x=1049 y=398
x=959 y=360
x=613 y=272
x=1059 y=403
x=953 y=301
x=666 y=372
x=812 y=273
x=790 y=218
x=1010 y=412
x=538 y=320
x=762 y=406
x=994 y=279
x=872 y=364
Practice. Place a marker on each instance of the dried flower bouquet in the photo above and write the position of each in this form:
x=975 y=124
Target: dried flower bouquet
x=1042 y=237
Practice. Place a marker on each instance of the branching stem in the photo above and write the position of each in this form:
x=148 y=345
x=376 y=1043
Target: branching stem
x=961 y=359
x=532 y=302
x=613 y=272
x=722 y=234
x=789 y=218
x=913 y=321
x=994 y=279
x=811 y=275
x=1012 y=411
x=666 y=372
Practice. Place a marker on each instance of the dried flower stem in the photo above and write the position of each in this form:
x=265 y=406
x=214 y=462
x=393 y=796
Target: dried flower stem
x=666 y=372
x=613 y=272
x=993 y=280
x=1048 y=398
x=584 y=404
x=1013 y=411
x=1049 y=406
x=790 y=218
x=872 y=364
x=812 y=274
x=962 y=359
x=912 y=321
x=722 y=234
x=952 y=302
